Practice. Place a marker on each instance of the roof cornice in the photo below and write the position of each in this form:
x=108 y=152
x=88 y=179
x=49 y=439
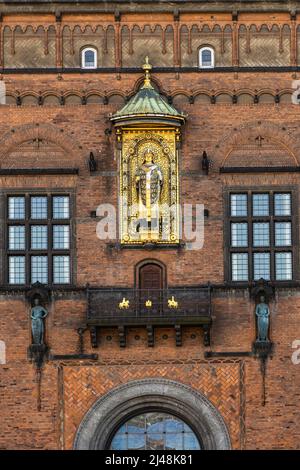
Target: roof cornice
x=145 y=6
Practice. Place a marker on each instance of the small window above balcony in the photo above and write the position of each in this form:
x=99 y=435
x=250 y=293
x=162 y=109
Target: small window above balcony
x=89 y=58
x=206 y=57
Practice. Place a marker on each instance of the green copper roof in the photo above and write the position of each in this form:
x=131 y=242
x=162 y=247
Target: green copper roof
x=147 y=102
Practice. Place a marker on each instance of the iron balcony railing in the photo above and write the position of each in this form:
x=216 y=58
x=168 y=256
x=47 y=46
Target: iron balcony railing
x=124 y=306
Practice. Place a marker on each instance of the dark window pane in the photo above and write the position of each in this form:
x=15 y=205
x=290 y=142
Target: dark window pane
x=206 y=58
x=61 y=208
x=283 y=233
x=89 y=58
x=261 y=266
x=39 y=207
x=139 y=432
x=119 y=442
x=154 y=442
x=273 y=231
x=136 y=441
x=61 y=269
x=239 y=235
x=39 y=237
x=174 y=425
x=16 y=268
x=282 y=203
x=39 y=269
x=16 y=237
x=136 y=425
x=283 y=266
x=238 y=205
x=261 y=234
x=61 y=237
x=155 y=422
x=239 y=266
x=191 y=442
x=260 y=205
x=16 y=207
x=174 y=441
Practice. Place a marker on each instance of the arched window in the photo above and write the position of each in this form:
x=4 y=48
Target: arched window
x=89 y=58
x=155 y=431
x=206 y=58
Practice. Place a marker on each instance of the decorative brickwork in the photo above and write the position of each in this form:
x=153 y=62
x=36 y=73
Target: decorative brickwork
x=219 y=383
x=240 y=113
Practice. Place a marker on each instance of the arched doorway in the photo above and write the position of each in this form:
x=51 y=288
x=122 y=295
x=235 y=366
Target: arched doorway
x=167 y=403
x=151 y=276
x=150 y=284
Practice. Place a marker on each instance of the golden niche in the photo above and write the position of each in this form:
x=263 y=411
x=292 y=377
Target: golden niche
x=148 y=132
x=149 y=186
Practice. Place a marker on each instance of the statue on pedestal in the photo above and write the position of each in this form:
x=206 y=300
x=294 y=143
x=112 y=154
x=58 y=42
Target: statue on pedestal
x=38 y=314
x=262 y=312
x=149 y=185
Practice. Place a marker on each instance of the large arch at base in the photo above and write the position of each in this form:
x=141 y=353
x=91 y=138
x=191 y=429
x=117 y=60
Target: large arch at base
x=109 y=412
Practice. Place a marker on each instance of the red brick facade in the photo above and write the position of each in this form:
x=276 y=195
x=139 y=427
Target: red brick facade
x=216 y=123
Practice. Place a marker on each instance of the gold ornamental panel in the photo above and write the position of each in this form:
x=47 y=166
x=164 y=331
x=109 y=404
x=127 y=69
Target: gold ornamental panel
x=149 y=194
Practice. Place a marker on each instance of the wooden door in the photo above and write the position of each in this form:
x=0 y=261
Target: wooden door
x=151 y=285
x=151 y=277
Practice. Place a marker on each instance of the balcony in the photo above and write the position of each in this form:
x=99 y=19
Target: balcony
x=173 y=307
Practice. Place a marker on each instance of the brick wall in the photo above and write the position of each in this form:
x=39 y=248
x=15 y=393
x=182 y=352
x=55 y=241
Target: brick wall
x=69 y=389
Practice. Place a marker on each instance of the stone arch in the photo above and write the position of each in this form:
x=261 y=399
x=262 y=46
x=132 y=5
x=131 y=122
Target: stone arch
x=278 y=135
x=146 y=261
x=22 y=135
x=110 y=411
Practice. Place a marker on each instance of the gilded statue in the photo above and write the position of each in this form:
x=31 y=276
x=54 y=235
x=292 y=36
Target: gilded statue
x=262 y=312
x=149 y=184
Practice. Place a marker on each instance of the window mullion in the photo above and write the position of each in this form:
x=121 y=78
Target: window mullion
x=50 y=244
x=250 y=237
x=28 y=240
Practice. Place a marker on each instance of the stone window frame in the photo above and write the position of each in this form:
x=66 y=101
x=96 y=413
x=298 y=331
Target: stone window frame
x=110 y=411
x=82 y=53
x=212 y=51
x=294 y=248
x=5 y=222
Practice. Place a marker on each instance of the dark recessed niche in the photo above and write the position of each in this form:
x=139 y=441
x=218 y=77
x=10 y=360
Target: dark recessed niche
x=108 y=338
x=137 y=337
x=165 y=337
x=193 y=336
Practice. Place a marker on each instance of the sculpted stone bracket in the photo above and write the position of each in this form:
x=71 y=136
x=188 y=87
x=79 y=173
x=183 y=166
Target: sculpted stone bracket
x=150 y=334
x=38 y=290
x=38 y=353
x=262 y=287
x=262 y=349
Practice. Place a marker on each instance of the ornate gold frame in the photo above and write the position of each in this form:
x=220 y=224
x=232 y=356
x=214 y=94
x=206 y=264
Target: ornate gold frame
x=163 y=142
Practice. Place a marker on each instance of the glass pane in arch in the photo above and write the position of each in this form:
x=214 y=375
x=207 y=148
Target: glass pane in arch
x=206 y=56
x=155 y=431
x=89 y=58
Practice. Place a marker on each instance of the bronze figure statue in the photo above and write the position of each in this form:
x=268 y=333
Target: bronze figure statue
x=38 y=314
x=262 y=312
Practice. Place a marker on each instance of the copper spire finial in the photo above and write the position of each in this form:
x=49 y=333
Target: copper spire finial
x=147 y=68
